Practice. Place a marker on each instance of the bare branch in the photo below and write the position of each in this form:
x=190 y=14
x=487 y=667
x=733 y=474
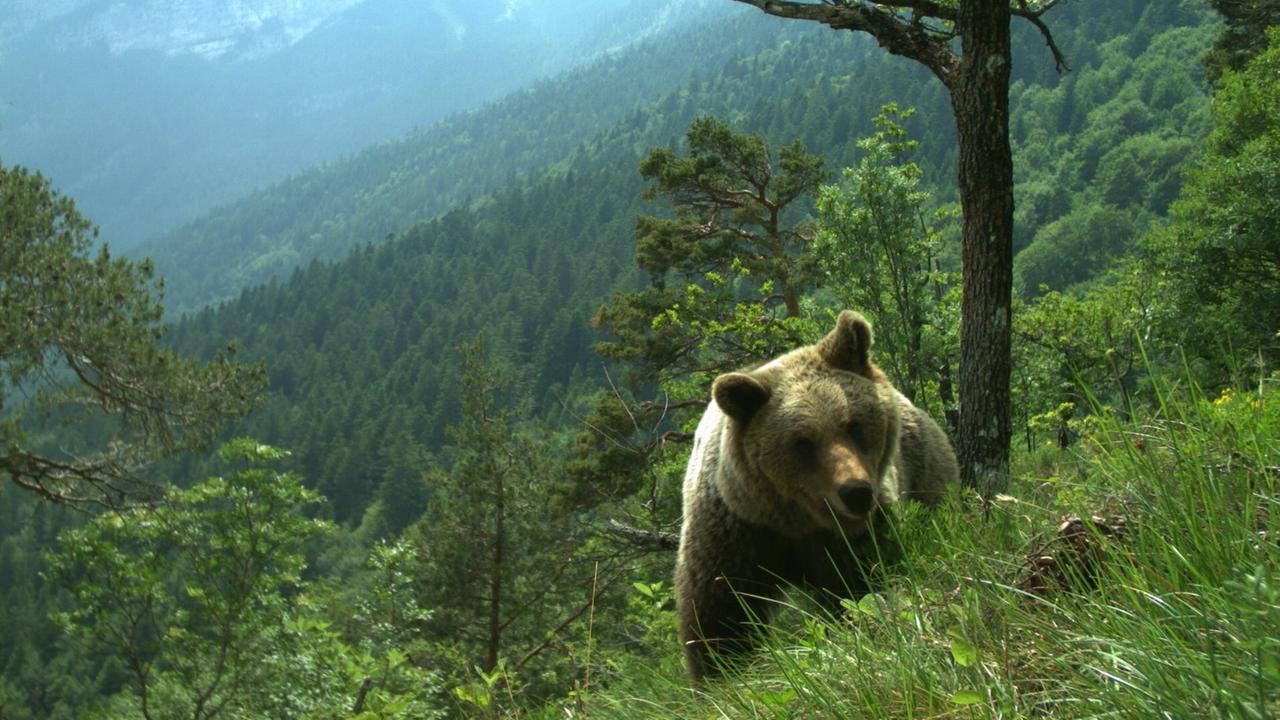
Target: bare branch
x=666 y=405
x=677 y=436
x=923 y=7
x=579 y=612
x=1033 y=16
x=108 y=480
x=618 y=394
x=653 y=539
x=908 y=38
x=358 y=707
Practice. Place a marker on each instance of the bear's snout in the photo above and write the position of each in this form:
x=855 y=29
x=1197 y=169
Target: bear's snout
x=857 y=498
x=851 y=481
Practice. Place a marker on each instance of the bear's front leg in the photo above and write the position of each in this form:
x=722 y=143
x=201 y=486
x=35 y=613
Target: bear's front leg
x=725 y=580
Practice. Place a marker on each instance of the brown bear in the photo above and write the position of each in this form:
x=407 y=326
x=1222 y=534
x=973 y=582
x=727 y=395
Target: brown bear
x=793 y=465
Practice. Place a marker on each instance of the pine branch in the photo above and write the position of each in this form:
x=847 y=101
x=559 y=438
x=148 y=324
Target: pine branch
x=1033 y=16
x=908 y=38
x=653 y=539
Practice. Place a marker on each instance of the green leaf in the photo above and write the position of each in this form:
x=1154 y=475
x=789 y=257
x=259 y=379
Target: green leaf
x=962 y=651
x=475 y=694
x=967 y=697
x=869 y=605
x=777 y=698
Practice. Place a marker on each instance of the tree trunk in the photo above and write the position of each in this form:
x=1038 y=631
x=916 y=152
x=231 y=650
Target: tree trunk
x=946 y=394
x=495 y=579
x=980 y=101
x=979 y=85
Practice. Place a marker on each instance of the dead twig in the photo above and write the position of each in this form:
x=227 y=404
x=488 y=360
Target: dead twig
x=654 y=539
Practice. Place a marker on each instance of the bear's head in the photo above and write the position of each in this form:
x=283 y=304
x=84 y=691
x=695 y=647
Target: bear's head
x=810 y=438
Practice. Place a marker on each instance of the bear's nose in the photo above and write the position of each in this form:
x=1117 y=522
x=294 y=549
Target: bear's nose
x=857 y=498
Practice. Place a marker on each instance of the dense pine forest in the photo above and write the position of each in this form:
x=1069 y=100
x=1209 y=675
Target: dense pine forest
x=407 y=437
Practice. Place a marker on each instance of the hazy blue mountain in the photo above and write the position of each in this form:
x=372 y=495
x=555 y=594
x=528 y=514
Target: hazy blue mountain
x=324 y=211
x=151 y=112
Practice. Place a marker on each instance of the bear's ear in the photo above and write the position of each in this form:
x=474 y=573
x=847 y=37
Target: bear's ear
x=848 y=347
x=739 y=395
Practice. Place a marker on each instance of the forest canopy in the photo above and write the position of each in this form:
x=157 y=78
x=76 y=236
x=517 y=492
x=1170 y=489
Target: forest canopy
x=79 y=344
x=469 y=433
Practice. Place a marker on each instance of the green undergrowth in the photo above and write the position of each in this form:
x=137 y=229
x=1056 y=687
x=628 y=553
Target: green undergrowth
x=1133 y=575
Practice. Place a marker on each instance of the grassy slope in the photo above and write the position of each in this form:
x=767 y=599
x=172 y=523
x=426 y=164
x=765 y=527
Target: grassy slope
x=1004 y=615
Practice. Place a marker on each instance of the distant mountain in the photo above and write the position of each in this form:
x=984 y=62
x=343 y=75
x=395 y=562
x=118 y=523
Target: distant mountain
x=208 y=28
x=151 y=112
x=324 y=211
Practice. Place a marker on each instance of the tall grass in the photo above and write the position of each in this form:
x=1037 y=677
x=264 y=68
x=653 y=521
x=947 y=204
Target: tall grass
x=1162 y=600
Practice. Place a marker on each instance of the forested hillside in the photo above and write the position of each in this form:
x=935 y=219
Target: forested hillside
x=434 y=303
x=362 y=349
x=324 y=212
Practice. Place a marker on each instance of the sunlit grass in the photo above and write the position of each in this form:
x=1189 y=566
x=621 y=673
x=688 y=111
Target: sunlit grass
x=1161 y=601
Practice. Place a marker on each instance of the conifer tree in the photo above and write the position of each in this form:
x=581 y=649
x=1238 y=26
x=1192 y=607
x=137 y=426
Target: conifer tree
x=496 y=558
x=79 y=336
x=727 y=270
x=734 y=232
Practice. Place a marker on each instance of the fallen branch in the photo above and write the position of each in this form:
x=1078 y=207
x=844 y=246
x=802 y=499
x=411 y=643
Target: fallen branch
x=1072 y=559
x=656 y=539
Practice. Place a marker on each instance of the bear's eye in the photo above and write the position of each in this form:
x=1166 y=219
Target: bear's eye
x=854 y=428
x=804 y=447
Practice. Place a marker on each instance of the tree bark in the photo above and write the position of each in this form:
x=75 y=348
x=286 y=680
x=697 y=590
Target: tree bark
x=495 y=579
x=980 y=102
x=358 y=707
x=978 y=81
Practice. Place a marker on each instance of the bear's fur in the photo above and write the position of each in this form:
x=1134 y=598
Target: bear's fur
x=792 y=464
